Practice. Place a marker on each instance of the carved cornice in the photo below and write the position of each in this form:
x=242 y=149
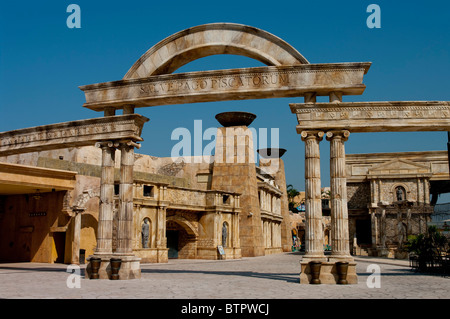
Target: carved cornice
x=224 y=85
x=73 y=134
x=396 y=116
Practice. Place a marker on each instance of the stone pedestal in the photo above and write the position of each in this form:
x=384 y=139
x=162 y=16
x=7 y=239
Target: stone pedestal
x=129 y=269
x=328 y=272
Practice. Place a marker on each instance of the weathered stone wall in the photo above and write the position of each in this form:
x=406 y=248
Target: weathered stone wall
x=358 y=195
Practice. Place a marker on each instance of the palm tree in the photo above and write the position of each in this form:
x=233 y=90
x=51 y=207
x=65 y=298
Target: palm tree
x=291 y=194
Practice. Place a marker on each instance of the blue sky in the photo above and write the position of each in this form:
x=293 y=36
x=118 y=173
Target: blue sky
x=42 y=62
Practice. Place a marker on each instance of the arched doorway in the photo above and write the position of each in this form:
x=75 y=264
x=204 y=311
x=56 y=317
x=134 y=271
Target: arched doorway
x=181 y=238
x=173 y=240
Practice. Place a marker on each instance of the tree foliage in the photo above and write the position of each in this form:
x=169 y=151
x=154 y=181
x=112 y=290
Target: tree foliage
x=428 y=247
x=291 y=194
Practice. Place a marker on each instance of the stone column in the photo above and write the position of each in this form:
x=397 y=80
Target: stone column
x=335 y=97
x=161 y=228
x=374 y=228
x=235 y=230
x=383 y=228
x=105 y=215
x=76 y=235
x=427 y=190
x=125 y=218
x=339 y=212
x=313 y=201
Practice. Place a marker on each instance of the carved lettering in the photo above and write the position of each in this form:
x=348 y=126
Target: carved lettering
x=215 y=83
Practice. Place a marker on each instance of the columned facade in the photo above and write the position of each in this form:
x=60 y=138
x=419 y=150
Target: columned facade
x=130 y=266
x=314 y=239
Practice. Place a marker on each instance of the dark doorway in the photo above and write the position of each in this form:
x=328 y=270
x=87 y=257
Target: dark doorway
x=172 y=243
x=363 y=231
x=60 y=245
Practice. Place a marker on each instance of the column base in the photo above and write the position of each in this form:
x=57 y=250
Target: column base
x=308 y=258
x=328 y=272
x=130 y=267
x=335 y=259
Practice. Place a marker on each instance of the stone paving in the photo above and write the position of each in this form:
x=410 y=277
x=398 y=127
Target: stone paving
x=268 y=277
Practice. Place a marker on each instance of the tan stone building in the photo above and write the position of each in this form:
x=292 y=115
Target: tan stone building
x=181 y=209
x=392 y=196
x=193 y=210
x=297 y=220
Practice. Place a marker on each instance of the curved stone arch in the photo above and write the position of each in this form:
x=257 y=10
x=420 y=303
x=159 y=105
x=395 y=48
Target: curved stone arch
x=210 y=39
x=84 y=197
x=185 y=224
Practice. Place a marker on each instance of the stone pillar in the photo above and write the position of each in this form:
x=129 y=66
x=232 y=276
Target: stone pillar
x=235 y=230
x=110 y=111
x=76 y=235
x=161 y=228
x=125 y=218
x=383 y=231
x=234 y=171
x=335 y=97
x=339 y=212
x=105 y=215
x=313 y=202
x=427 y=190
x=374 y=228
x=310 y=97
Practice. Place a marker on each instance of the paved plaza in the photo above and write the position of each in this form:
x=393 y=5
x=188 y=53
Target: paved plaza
x=268 y=277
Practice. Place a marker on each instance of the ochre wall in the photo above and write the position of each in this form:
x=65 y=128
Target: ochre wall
x=28 y=238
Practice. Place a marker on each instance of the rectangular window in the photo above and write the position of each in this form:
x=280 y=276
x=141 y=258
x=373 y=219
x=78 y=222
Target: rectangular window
x=148 y=191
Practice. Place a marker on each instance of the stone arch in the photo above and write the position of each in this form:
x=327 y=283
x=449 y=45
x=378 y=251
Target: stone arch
x=84 y=197
x=210 y=39
x=185 y=224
